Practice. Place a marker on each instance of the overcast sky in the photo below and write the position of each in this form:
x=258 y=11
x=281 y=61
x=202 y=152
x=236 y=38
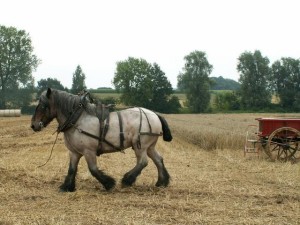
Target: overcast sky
x=96 y=34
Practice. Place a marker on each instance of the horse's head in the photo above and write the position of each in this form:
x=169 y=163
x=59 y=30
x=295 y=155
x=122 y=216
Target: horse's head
x=42 y=115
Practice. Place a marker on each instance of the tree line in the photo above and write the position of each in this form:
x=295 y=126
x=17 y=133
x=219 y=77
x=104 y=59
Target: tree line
x=141 y=83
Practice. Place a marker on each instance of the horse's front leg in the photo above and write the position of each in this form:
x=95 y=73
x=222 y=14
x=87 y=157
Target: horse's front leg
x=107 y=181
x=69 y=183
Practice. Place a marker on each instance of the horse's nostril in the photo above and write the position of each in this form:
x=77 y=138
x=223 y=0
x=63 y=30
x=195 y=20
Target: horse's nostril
x=32 y=126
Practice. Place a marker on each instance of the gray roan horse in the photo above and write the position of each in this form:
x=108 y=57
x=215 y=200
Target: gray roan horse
x=89 y=132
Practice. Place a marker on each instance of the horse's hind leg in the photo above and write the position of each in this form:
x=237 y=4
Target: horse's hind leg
x=107 y=181
x=69 y=183
x=130 y=177
x=163 y=175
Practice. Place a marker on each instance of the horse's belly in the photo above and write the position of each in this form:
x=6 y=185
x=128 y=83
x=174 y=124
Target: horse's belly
x=79 y=142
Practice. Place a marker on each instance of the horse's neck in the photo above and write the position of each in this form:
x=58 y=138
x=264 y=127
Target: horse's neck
x=61 y=118
x=65 y=111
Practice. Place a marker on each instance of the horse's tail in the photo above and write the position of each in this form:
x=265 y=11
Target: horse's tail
x=167 y=136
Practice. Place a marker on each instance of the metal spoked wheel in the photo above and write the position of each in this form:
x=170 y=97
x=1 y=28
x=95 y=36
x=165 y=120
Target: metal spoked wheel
x=283 y=145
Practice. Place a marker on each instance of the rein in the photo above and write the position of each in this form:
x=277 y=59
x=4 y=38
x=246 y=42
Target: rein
x=50 y=152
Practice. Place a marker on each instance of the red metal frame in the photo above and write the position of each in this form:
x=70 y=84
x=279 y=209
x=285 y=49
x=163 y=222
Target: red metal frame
x=268 y=125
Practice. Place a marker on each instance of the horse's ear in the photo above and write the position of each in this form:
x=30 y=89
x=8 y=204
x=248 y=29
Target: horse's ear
x=48 y=93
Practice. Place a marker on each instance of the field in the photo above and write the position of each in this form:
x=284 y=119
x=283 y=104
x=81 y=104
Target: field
x=212 y=182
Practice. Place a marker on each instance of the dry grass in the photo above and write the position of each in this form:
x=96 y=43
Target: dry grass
x=216 y=131
x=219 y=186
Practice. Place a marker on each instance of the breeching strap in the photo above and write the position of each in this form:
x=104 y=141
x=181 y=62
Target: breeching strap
x=140 y=128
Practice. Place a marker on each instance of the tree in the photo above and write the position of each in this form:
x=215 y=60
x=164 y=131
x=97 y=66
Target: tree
x=194 y=81
x=143 y=84
x=78 y=81
x=161 y=91
x=228 y=100
x=20 y=97
x=43 y=84
x=254 y=78
x=220 y=83
x=131 y=78
x=286 y=81
x=17 y=62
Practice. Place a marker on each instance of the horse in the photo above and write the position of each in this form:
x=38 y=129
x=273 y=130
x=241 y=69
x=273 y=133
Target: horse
x=85 y=134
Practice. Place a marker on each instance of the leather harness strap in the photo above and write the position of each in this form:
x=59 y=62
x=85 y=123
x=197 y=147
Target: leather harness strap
x=103 y=132
x=100 y=115
x=72 y=119
x=140 y=128
x=121 y=130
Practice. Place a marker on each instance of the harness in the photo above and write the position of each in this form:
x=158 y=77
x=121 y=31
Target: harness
x=74 y=116
x=103 y=115
x=104 y=118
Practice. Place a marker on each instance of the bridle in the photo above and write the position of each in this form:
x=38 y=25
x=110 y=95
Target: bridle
x=43 y=106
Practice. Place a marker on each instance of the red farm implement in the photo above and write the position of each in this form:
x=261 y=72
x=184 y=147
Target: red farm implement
x=278 y=137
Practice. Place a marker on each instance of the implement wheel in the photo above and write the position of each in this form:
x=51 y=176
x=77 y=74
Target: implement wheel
x=283 y=145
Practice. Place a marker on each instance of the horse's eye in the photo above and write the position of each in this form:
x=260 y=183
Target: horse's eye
x=43 y=106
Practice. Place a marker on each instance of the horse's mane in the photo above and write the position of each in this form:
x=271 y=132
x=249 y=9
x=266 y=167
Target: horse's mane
x=67 y=102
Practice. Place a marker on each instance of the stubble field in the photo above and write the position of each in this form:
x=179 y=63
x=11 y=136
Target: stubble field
x=212 y=182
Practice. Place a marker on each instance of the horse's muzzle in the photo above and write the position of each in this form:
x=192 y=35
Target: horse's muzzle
x=37 y=126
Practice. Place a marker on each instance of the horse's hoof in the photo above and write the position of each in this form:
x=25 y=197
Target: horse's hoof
x=109 y=184
x=125 y=185
x=162 y=183
x=128 y=180
x=63 y=188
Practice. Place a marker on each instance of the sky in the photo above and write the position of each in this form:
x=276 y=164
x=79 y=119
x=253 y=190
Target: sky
x=97 y=34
